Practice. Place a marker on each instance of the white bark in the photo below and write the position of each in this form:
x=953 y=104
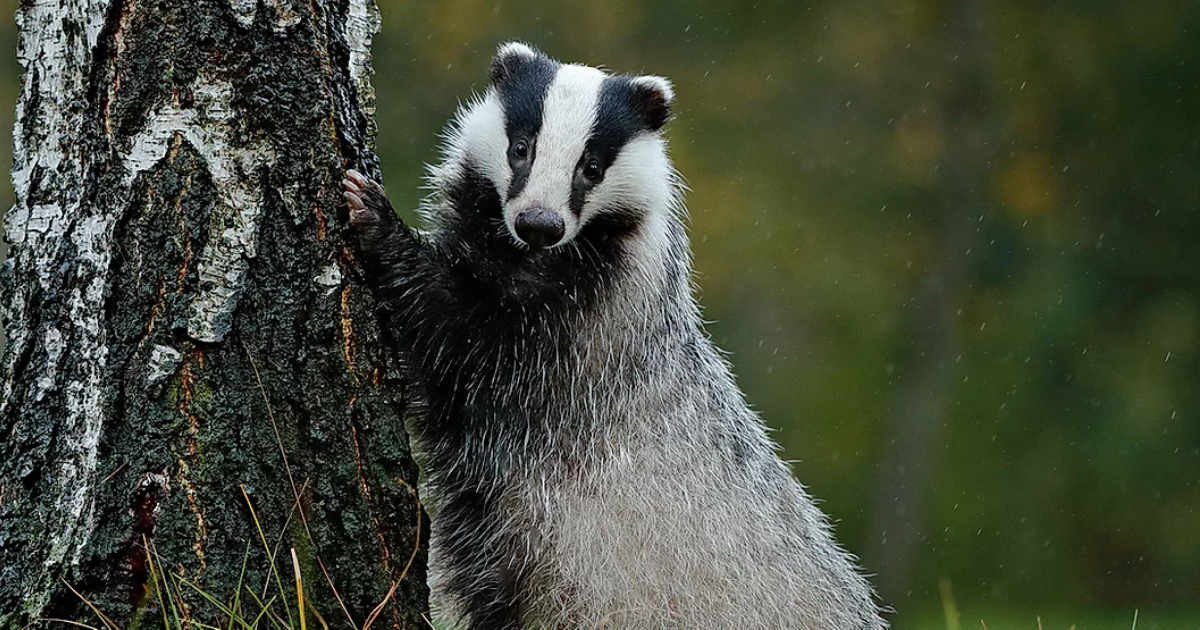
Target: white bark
x=51 y=213
x=235 y=165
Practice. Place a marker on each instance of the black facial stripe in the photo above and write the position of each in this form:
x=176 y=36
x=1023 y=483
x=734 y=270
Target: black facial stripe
x=523 y=96
x=579 y=193
x=520 y=172
x=617 y=121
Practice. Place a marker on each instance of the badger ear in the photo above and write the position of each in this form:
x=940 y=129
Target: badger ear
x=509 y=58
x=652 y=96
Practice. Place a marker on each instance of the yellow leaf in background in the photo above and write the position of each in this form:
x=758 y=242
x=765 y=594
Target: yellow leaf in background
x=1028 y=187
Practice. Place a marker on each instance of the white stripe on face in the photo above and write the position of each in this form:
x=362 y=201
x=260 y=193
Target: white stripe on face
x=568 y=114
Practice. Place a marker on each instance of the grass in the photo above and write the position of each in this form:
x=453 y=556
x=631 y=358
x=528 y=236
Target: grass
x=183 y=602
x=995 y=618
x=953 y=615
x=245 y=609
x=178 y=598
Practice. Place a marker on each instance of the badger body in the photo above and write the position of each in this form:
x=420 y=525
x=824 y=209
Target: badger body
x=586 y=454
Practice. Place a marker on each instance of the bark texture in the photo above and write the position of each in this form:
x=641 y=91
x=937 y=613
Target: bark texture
x=177 y=279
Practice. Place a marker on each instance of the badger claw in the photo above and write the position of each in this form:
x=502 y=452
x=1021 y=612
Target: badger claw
x=357 y=178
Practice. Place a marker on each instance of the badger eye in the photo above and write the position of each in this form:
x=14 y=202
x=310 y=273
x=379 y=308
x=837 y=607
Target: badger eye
x=592 y=170
x=519 y=150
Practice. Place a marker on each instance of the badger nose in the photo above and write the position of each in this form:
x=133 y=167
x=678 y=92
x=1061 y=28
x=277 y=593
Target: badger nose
x=539 y=227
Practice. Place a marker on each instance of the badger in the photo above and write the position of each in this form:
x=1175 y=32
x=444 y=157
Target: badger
x=586 y=454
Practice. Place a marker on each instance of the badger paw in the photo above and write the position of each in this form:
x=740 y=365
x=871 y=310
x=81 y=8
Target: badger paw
x=366 y=201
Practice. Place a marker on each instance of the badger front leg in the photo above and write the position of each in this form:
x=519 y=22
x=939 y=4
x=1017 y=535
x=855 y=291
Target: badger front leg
x=420 y=297
x=411 y=276
x=399 y=264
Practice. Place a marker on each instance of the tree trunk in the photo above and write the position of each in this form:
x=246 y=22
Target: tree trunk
x=186 y=337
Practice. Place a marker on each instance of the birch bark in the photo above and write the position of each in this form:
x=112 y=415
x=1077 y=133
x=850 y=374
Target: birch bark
x=183 y=320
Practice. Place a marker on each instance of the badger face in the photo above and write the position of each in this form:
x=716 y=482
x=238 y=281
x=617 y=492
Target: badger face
x=565 y=146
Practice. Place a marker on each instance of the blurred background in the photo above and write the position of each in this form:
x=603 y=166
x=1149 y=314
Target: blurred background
x=951 y=247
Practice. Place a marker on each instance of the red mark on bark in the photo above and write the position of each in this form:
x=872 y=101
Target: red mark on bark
x=322 y=221
x=149 y=493
x=187 y=380
x=348 y=334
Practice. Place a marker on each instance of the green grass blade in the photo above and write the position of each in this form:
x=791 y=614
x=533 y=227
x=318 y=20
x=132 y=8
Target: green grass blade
x=267 y=550
x=237 y=591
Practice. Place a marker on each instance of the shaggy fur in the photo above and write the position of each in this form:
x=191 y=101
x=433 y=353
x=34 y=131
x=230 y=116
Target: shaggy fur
x=589 y=457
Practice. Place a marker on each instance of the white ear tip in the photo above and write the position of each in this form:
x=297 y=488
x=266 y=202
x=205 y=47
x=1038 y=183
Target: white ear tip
x=516 y=48
x=659 y=84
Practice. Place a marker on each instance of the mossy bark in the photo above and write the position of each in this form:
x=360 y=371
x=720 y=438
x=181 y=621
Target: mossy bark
x=184 y=320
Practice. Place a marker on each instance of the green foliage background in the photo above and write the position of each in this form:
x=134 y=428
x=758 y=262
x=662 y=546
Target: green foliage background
x=952 y=250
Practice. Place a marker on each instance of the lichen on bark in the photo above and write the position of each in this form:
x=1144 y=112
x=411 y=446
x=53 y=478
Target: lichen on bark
x=183 y=318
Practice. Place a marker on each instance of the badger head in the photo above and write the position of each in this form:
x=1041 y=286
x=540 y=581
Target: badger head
x=552 y=151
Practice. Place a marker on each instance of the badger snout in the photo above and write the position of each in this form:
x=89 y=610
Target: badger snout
x=539 y=227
